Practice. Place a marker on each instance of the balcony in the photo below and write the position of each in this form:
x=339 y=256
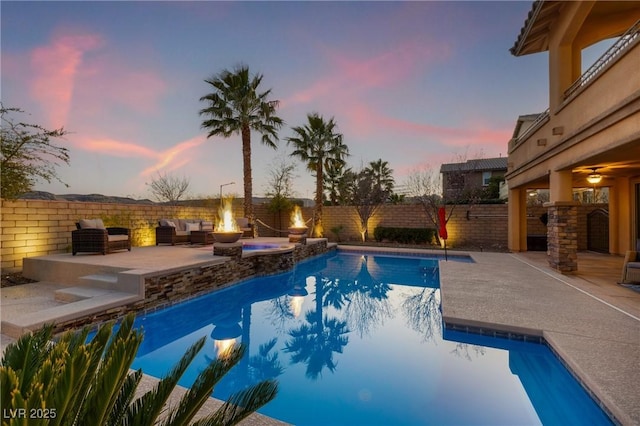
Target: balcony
x=599 y=114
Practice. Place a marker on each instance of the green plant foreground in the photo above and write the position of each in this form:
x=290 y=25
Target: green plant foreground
x=404 y=235
x=75 y=382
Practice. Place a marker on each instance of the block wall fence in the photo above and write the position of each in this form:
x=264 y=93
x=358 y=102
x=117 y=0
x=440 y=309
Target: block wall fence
x=32 y=228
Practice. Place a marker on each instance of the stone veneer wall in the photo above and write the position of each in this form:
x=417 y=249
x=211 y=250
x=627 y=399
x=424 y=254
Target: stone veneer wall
x=562 y=237
x=164 y=290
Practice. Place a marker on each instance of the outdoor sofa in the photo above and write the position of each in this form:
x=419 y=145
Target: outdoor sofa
x=176 y=231
x=91 y=236
x=631 y=266
x=245 y=227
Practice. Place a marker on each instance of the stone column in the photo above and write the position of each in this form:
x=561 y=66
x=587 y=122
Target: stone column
x=562 y=236
x=233 y=250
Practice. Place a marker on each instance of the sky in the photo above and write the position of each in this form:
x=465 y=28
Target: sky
x=416 y=84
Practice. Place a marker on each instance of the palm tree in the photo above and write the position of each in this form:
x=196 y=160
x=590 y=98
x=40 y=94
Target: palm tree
x=318 y=144
x=236 y=106
x=75 y=382
x=382 y=175
x=334 y=180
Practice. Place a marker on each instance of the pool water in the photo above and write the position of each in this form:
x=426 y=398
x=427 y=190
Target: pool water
x=357 y=339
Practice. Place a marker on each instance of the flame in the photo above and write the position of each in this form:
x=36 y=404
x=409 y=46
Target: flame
x=296 y=218
x=222 y=347
x=296 y=305
x=225 y=213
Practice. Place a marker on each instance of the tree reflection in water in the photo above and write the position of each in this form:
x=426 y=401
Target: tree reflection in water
x=315 y=342
x=422 y=311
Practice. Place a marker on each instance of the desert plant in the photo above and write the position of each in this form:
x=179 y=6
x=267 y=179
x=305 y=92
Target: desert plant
x=28 y=154
x=77 y=382
x=337 y=230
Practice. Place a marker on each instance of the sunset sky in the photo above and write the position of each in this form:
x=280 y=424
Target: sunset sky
x=416 y=84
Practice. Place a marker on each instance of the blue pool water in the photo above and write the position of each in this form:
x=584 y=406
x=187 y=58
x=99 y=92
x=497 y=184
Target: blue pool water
x=357 y=339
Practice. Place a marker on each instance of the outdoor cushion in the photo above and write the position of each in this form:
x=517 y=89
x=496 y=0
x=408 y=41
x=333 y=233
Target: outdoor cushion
x=181 y=233
x=192 y=227
x=167 y=222
x=634 y=265
x=206 y=226
x=91 y=224
x=118 y=238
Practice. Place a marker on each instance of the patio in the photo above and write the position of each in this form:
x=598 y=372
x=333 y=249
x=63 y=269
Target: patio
x=589 y=320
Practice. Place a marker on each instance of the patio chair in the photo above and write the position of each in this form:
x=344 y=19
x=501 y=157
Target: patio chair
x=91 y=236
x=631 y=266
x=245 y=227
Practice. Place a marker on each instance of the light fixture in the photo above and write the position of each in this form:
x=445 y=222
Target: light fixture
x=594 y=177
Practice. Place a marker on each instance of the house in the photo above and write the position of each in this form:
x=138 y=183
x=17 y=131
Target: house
x=589 y=137
x=462 y=181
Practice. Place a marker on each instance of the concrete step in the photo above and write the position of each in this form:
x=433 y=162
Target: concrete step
x=20 y=324
x=99 y=280
x=75 y=294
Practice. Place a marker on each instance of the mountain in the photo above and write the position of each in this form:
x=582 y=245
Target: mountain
x=93 y=198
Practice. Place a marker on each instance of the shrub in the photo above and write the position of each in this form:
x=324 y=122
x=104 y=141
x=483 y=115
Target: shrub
x=404 y=235
x=77 y=382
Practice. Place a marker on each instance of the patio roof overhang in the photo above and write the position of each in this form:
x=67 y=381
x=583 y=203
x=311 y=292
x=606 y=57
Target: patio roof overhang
x=605 y=19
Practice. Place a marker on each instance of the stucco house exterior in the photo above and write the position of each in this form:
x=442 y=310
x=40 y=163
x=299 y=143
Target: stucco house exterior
x=459 y=180
x=592 y=125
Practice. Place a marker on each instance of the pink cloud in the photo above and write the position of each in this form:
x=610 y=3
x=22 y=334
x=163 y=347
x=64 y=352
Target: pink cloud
x=165 y=159
x=55 y=67
x=386 y=70
x=170 y=159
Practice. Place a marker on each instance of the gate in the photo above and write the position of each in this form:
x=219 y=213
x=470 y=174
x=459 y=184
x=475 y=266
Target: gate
x=598 y=231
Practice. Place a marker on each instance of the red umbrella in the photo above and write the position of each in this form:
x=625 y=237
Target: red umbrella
x=442 y=220
x=442 y=230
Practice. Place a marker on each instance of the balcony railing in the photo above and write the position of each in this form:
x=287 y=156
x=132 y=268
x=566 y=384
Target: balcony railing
x=537 y=123
x=625 y=41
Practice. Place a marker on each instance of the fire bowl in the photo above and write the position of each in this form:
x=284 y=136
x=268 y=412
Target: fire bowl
x=298 y=230
x=227 y=237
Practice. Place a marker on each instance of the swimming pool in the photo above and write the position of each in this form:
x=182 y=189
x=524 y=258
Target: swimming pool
x=357 y=338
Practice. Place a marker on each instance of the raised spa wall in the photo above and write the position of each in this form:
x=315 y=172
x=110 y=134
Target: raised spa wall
x=178 y=285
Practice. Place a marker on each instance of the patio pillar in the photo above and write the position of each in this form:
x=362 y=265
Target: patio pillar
x=562 y=225
x=562 y=236
x=517 y=221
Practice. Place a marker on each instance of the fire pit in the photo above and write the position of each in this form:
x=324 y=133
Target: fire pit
x=226 y=237
x=227 y=230
x=297 y=230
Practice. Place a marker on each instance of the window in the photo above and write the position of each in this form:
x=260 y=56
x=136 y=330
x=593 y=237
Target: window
x=486 y=177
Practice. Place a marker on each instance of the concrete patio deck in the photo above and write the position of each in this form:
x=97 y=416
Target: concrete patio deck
x=589 y=320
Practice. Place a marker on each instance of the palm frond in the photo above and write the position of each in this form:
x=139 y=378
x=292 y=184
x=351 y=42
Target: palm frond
x=150 y=405
x=242 y=404
x=29 y=351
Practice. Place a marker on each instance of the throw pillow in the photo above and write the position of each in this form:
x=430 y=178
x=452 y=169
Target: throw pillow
x=91 y=224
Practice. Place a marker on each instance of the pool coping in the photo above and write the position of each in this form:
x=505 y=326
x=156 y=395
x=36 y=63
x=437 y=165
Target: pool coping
x=504 y=294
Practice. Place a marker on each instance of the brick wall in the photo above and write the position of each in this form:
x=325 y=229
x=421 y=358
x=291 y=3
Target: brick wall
x=37 y=228
x=486 y=226
x=32 y=228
